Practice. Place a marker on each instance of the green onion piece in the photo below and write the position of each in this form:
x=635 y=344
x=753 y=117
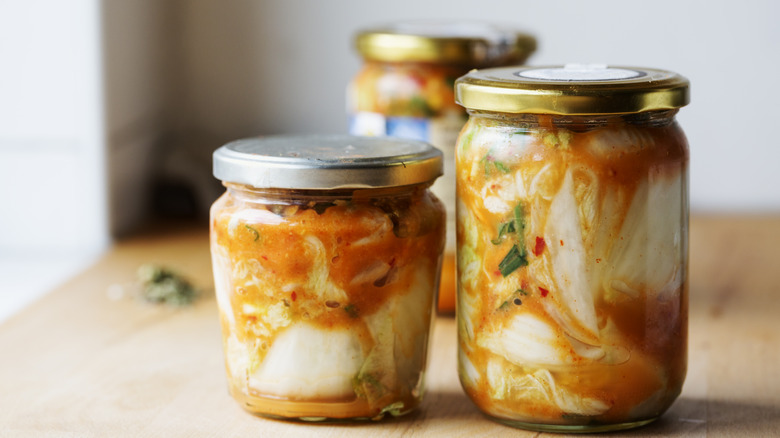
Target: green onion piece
x=503 y=229
x=512 y=261
x=253 y=231
x=485 y=164
x=500 y=166
x=519 y=222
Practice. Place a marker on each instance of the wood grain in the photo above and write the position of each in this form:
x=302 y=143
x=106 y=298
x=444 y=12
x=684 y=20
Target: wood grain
x=78 y=363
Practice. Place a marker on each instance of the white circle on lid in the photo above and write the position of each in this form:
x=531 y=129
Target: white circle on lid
x=580 y=72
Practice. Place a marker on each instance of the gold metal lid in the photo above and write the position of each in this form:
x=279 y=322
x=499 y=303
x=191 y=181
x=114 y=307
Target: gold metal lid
x=572 y=89
x=460 y=43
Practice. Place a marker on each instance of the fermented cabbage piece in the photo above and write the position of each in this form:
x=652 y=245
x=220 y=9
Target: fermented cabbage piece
x=569 y=261
x=526 y=341
x=540 y=389
x=288 y=368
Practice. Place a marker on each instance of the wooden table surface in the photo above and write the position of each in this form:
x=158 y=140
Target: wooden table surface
x=81 y=363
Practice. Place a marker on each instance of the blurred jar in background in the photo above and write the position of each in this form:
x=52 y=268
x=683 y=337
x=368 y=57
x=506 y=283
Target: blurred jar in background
x=405 y=89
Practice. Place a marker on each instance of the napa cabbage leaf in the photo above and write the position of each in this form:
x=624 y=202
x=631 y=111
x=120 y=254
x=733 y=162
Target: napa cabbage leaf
x=563 y=237
x=538 y=388
x=288 y=371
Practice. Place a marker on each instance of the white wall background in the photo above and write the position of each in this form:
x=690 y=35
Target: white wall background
x=52 y=193
x=83 y=98
x=51 y=124
x=282 y=66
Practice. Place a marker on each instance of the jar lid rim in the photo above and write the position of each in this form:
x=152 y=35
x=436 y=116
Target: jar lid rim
x=326 y=162
x=572 y=89
x=448 y=42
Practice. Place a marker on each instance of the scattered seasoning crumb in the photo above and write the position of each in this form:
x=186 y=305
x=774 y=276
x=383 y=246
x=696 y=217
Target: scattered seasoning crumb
x=163 y=285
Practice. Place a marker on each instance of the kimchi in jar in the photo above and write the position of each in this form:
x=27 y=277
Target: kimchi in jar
x=326 y=254
x=405 y=89
x=572 y=233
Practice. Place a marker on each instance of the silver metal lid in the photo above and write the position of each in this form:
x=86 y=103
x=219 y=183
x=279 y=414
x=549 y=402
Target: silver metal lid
x=327 y=162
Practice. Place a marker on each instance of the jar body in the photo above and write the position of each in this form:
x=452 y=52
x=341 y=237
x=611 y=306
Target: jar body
x=415 y=100
x=325 y=298
x=572 y=259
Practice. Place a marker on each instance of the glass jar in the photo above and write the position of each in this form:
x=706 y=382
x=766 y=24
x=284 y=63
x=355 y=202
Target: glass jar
x=572 y=187
x=326 y=255
x=405 y=89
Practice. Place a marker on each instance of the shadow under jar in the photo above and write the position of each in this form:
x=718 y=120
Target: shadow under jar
x=326 y=254
x=572 y=231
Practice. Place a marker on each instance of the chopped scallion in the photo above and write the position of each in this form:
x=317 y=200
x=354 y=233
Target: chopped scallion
x=512 y=261
x=253 y=231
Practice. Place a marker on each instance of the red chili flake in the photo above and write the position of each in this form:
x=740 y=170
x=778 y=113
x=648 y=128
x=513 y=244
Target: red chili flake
x=543 y=291
x=293 y=296
x=524 y=284
x=392 y=262
x=598 y=260
x=539 y=248
x=264 y=257
x=561 y=242
x=496 y=272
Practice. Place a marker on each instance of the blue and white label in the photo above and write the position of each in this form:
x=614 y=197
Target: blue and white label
x=376 y=125
x=408 y=127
